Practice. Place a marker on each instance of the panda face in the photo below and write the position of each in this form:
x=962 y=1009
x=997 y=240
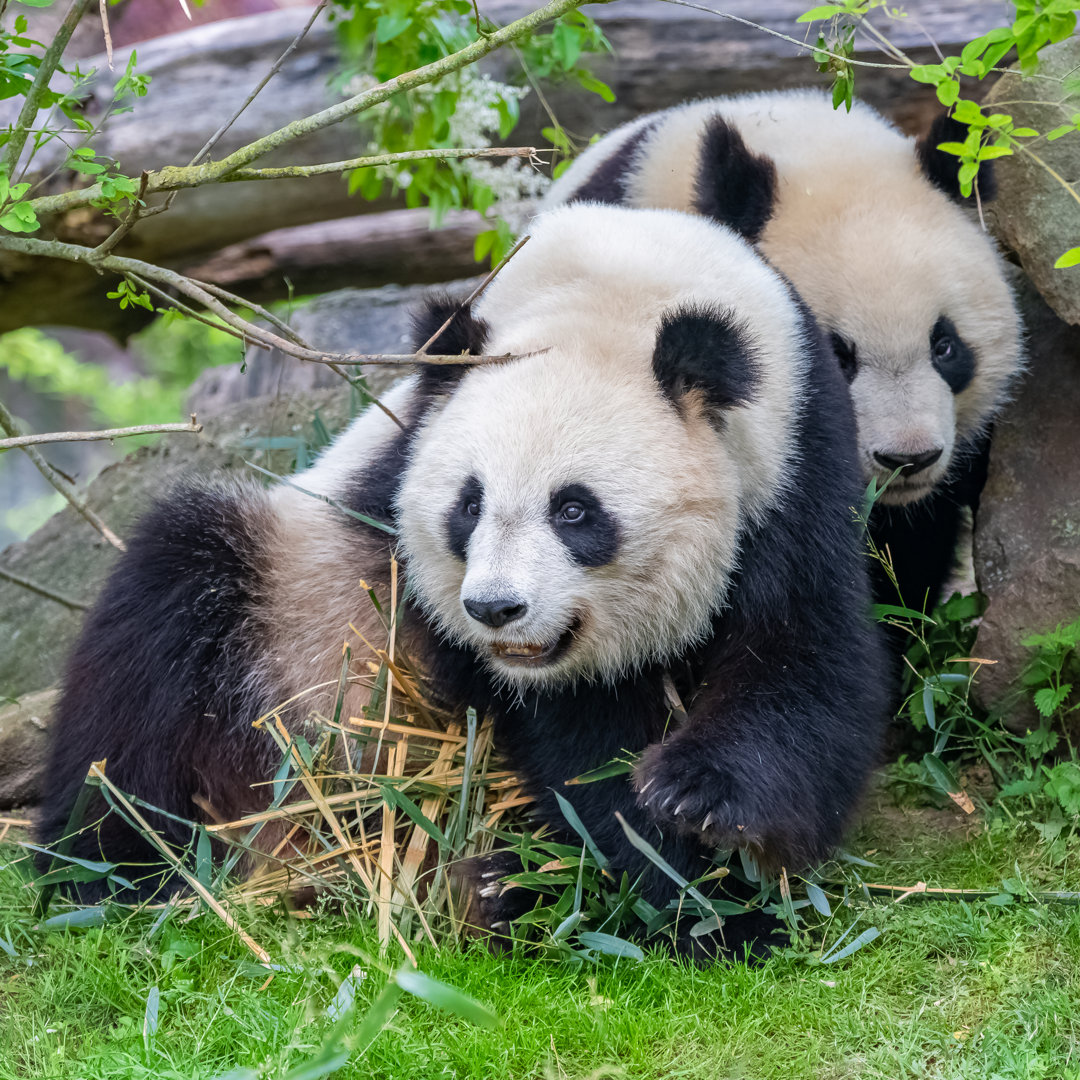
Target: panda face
x=565 y=520
x=929 y=343
x=907 y=408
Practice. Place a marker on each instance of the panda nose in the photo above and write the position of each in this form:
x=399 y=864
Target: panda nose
x=495 y=612
x=910 y=463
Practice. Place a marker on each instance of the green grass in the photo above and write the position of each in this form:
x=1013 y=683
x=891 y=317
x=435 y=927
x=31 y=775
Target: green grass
x=951 y=989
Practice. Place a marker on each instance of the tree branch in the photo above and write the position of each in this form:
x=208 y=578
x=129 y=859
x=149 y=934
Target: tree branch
x=40 y=86
x=381 y=159
x=41 y=590
x=97 y=436
x=8 y=425
x=176 y=177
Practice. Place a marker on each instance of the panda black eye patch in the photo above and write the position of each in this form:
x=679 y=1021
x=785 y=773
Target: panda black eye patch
x=586 y=529
x=846 y=355
x=464 y=515
x=953 y=360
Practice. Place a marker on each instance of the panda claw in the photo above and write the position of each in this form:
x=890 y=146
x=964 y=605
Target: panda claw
x=678 y=809
x=707 y=822
x=489 y=890
x=645 y=787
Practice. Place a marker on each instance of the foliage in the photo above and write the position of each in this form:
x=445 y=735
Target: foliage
x=173 y=351
x=1036 y=773
x=992 y=132
x=466 y=109
x=960 y=989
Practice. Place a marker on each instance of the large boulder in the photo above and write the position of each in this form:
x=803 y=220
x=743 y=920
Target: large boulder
x=68 y=557
x=1027 y=539
x=1035 y=214
x=23 y=746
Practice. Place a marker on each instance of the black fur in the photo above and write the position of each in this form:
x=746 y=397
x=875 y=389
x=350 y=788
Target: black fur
x=786 y=702
x=462 y=519
x=155 y=684
x=942 y=169
x=592 y=538
x=464 y=334
x=704 y=349
x=847 y=356
x=608 y=184
x=734 y=186
x=951 y=356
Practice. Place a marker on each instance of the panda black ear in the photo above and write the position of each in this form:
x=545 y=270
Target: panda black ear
x=609 y=181
x=464 y=333
x=704 y=349
x=734 y=186
x=941 y=169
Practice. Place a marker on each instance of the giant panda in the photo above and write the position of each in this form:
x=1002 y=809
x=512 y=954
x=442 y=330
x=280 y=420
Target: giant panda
x=656 y=490
x=867 y=224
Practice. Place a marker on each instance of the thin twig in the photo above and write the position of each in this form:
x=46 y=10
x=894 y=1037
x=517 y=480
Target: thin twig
x=809 y=46
x=41 y=590
x=40 y=87
x=103 y=7
x=7 y=423
x=488 y=279
x=292 y=47
x=98 y=436
x=399 y=359
x=330 y=167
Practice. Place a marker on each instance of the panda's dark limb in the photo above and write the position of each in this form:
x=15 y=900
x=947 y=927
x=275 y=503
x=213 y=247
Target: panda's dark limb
x=551 y=739
x=490 y=903
x=158 y=685
x=788 y=720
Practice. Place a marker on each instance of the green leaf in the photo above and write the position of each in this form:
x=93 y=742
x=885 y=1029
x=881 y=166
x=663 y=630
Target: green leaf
x=81 y=919
x=610 y=945
x=578 y=826
x=948 y=92
x=654 y=857
x=596 y=86
x=988 y=153
x=863 y=939
x=818 y=898
x=445 y=997
x=940 y=773
x=957 y=148
x=399 y=800
x=605 y=772
x=825 y=11
x=1063 y=262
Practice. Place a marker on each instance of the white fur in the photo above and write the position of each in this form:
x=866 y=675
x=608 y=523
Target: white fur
x=875 y=250
x=589 y=290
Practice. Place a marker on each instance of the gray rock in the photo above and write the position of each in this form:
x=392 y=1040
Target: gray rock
x=1027 y=538
x=67 y=555
x=1034 y=214
x=23 y=746
x=349 y=320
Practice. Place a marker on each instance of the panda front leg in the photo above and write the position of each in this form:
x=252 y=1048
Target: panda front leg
x=774 y=761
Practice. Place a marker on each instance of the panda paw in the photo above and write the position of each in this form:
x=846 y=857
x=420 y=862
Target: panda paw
x=490 y=904
x=679 y=784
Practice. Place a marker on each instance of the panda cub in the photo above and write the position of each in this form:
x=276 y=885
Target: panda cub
x=656 y=490
x=865 y=223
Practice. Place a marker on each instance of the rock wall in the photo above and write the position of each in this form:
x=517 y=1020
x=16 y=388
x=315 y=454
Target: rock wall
x=1027 y=538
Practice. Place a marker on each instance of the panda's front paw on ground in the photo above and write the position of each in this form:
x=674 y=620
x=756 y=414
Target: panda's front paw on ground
x=489 y=903
x=679 y=783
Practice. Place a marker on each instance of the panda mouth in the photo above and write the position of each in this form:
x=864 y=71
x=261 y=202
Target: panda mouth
x=526 y=654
